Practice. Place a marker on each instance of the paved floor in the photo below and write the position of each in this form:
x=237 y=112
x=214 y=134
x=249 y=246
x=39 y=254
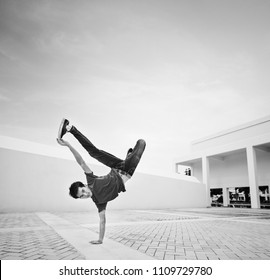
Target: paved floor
x=212 y=233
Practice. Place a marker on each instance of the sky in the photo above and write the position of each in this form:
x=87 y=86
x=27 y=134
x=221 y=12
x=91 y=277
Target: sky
x=167 y=71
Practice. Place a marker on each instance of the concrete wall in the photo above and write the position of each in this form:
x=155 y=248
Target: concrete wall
x=232 y=171
x=263 y=166
x=231 y=136
x=34 y=182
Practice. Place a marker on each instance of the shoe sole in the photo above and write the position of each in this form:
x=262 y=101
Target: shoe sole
x=136 y=155
x=60 y=131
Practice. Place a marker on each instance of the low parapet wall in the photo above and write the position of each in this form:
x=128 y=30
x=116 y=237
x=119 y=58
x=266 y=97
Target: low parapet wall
x=34 y=182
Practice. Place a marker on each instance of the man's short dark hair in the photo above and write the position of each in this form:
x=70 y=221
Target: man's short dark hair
x=73 y=190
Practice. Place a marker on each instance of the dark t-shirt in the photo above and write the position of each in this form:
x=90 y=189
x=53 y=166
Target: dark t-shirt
x=105 y=188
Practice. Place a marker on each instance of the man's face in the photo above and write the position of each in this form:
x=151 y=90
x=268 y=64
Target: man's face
x=84 y=192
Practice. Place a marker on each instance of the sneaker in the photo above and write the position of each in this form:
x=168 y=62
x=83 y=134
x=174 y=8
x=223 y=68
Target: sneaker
x=129 y=152
x=133 y=158
x=62 y=129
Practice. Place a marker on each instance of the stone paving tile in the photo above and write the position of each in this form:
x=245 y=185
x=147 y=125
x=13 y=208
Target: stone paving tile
x=173 y=234
x=20 y=220
x=27 y=237
x=205 y=239
x=124 y=216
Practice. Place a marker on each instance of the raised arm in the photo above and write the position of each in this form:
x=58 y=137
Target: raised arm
x=76 y=155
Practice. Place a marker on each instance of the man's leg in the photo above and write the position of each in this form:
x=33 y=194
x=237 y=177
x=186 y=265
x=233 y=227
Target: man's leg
x=133 y=157
x=128 y=165
x=100 y=155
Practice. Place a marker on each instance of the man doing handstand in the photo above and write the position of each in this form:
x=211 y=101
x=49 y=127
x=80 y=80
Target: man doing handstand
x=101 y=189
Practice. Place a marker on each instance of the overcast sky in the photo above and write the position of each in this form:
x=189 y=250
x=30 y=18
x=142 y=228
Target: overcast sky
x=168 y=71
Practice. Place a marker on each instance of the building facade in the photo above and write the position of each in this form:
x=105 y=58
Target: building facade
x=234 y=165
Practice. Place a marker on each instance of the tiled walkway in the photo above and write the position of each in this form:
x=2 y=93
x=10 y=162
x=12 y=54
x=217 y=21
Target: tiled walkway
x=26 y=236
x=212 y=233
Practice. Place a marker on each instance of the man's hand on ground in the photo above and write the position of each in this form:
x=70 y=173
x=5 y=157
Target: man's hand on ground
x=96 y=242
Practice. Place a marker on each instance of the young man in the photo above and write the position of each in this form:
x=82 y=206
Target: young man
x=101 y=189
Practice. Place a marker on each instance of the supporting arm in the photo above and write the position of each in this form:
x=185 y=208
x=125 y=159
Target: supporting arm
x=102 y=226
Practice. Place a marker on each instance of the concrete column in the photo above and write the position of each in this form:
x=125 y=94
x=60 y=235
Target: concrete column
x=226 y=199
x=253 y=177
x=176 y=168
x=206 y=179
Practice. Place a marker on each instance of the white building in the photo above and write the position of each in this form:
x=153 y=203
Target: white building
x=234 y=161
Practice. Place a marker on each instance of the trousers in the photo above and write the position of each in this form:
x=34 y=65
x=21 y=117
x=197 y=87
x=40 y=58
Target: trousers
x=100 y=155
